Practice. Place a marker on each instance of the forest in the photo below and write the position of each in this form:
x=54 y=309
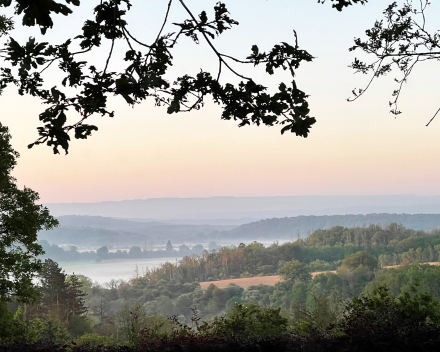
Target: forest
x=355 y=284
x=277 y=228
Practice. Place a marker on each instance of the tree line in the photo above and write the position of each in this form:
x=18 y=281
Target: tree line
x=72 y=253
x=72 y=308
x=321 y=250
x=143 y=310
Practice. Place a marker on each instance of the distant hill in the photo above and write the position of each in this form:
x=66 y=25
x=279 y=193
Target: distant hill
x=88 y=231
x=251 y=207
x=127 y=223
x=92 y=231
x=105 y=222
x=286 y=228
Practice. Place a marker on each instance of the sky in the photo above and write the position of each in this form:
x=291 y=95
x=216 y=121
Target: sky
x=356 y=148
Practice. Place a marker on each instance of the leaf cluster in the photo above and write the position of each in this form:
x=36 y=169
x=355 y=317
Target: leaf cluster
x=340 y=4
x=145 y=73
x=400 y=41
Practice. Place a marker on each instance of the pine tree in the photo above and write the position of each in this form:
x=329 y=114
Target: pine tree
x=54 y=289
x=75 y=297
x=62 y=295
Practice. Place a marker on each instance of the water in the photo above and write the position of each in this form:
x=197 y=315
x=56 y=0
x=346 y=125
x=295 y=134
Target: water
x=120 y=268
x=113 y=269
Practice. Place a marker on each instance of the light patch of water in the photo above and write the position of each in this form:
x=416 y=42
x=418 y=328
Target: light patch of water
x=107 y=270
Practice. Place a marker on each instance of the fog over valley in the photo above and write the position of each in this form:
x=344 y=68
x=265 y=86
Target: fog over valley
x=143 y=242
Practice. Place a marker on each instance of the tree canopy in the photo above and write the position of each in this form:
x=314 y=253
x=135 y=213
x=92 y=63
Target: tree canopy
x=85 y=88
x=20 y=220
x=400 y=41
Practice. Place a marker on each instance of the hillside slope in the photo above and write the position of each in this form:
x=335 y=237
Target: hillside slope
x=286 y=228
x=92 y=231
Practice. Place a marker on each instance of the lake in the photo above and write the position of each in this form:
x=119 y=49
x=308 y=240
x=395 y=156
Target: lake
x=113 y=269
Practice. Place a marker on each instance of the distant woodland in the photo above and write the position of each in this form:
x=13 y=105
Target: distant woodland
x=71 y=253
x=95 y=231
x=304 y=225
x=331 y=305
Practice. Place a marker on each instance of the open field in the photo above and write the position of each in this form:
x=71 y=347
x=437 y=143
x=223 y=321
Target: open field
x=245 y=282
x=322 y=272
x=269 y=280
x=396 y=266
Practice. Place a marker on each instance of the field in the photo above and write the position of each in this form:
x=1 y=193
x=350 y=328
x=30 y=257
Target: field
x=268 y=280
x=396 y=266
x=245 y=282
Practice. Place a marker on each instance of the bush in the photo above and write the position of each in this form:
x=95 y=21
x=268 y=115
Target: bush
x=382 y=310
x=94 y=340
x=251 y=320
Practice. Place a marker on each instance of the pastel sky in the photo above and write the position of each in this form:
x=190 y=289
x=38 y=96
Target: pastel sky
x=354 y=148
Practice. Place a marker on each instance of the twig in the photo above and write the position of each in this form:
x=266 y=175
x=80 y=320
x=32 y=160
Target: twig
x=369 y=83
x=109 y=55
x=433 y=117
x=164 y=21
x=133 y=38
x=211 y=45
x=219 y=69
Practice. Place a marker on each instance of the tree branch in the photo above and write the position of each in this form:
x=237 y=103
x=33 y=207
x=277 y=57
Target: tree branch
x=211 y=45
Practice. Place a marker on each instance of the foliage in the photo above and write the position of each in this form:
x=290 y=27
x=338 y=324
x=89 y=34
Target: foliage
x=62 y=295
x=102 y=252
x=20 y=220
x=400 y=41
x=354 y=261
x=9 y=330
x=320 y=318
x=94 y=340
x=172 y=288
x=383 y=309
x=57 y=314
x=372 y=229
x=406 y=317
x=377 y=321
x=356 y=270
x=321 y=265
x=133 y=311
x=294 y=271
x=145 y=72
x=322 y=250
x=251 y=320
x=51 y=330
x=401 y=279
x=135 y=252
x=6 y=25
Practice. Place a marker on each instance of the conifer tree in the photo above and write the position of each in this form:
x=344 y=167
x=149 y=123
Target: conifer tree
x=63 y=296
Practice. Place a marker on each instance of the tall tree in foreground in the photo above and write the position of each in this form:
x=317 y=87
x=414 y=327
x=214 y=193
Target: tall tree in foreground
x=20 y=220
